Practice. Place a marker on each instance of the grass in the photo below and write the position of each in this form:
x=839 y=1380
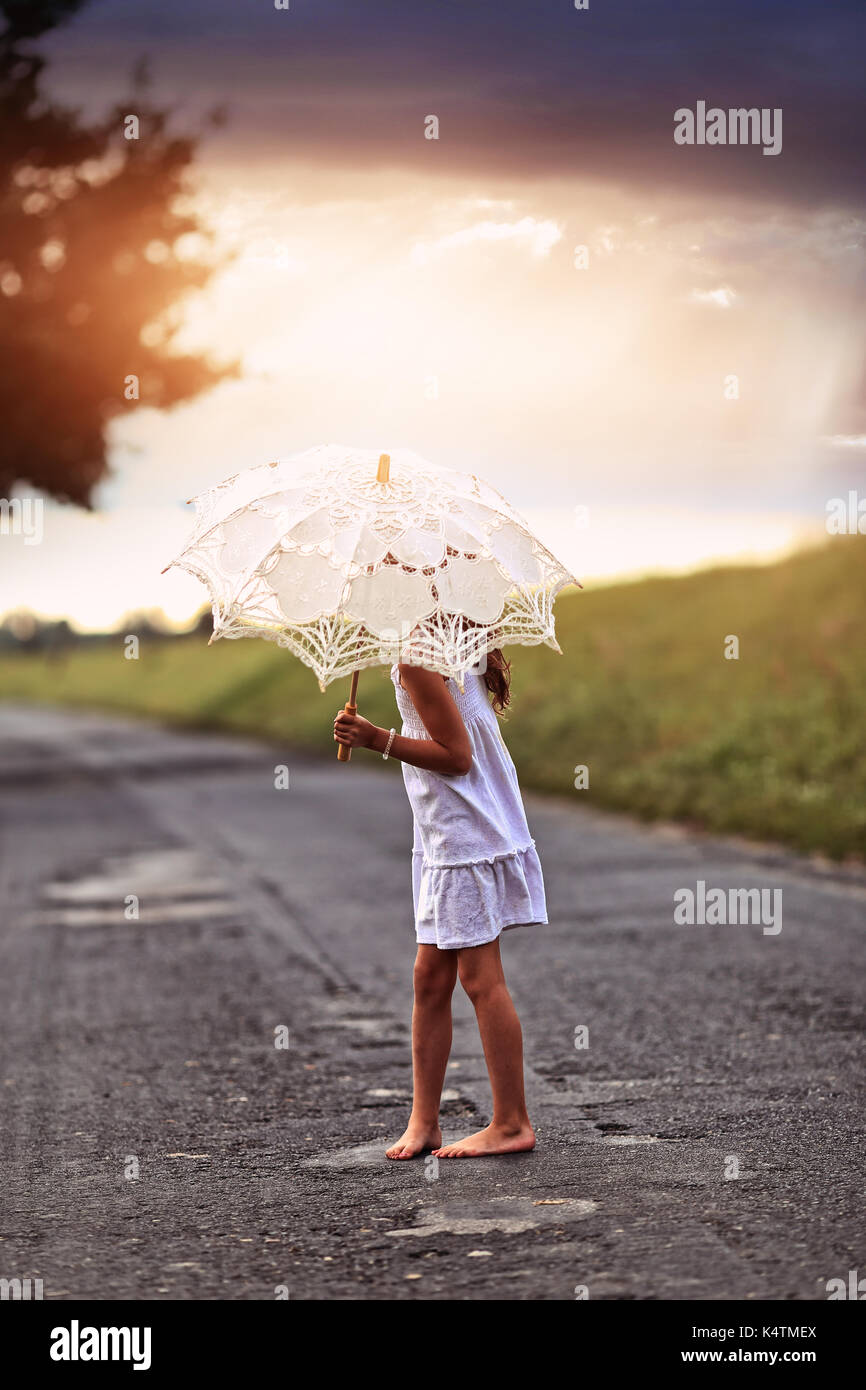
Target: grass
x=769 y=745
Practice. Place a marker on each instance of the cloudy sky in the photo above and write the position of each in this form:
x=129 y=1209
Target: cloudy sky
x=655 y=350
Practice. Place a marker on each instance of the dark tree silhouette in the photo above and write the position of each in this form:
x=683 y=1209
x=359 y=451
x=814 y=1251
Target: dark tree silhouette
x=89 y=221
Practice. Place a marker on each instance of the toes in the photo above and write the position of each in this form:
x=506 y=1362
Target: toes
x=404 y=1148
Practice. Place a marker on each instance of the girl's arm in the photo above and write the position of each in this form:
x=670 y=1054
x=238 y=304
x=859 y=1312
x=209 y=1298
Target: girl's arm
x=447 y=751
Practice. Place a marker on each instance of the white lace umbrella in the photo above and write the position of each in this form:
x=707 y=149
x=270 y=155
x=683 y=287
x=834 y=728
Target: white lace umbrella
x=352 y=559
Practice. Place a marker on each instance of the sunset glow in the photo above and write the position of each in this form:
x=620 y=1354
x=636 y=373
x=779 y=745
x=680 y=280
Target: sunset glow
x=658 y=372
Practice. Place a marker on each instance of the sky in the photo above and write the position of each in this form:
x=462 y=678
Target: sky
x=655 y=350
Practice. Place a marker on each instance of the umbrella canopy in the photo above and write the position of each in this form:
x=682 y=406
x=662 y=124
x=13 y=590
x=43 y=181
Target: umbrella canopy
x=351 y=559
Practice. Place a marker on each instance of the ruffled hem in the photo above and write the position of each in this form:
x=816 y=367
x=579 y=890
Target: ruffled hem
x=477 y=859
x=473 y=902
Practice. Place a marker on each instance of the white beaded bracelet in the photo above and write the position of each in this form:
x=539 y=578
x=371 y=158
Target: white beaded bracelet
x=388 y=744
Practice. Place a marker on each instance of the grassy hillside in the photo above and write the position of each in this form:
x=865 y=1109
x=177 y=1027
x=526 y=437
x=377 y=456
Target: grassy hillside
x=770 y=745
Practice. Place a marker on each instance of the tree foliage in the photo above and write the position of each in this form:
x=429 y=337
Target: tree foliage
x=92 y=279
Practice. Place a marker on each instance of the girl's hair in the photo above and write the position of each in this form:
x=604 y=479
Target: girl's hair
x=497 y=678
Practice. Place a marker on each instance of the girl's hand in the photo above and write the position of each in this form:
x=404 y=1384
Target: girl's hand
x=353 y=730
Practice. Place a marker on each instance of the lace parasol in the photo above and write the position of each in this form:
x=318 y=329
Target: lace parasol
x=352 y=559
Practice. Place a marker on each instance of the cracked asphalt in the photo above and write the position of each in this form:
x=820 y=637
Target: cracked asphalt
x=205 y=997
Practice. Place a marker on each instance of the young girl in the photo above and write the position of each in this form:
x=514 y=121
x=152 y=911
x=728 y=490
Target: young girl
x=475 y=873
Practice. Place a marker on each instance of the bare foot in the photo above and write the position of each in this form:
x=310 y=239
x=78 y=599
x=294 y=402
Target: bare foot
x=416 y=1139
x=495 y=1139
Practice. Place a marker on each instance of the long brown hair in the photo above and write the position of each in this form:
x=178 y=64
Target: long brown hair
x=497 y=678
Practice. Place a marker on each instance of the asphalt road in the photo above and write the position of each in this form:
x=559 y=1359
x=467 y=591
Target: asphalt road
x=156 y=1143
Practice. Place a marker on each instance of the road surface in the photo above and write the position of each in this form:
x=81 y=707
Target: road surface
x=205 y=999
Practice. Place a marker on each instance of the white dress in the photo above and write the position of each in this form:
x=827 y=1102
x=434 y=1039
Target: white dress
x=475 y=868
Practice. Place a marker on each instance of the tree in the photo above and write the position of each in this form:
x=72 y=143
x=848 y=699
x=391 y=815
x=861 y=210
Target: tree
x=92 y=278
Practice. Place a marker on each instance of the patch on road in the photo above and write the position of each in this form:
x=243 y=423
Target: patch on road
x=631 y=1139
x=510 y=1215
x=361 y=1156
x=167 y=885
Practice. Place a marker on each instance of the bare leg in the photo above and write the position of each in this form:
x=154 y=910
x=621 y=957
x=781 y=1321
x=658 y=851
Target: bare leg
x=435 y=978
x=482 y=977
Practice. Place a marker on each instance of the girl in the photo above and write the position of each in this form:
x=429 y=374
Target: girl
x=475 y=873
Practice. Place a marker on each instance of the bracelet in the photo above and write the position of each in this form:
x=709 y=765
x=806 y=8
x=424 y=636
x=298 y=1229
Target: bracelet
x=388 y=744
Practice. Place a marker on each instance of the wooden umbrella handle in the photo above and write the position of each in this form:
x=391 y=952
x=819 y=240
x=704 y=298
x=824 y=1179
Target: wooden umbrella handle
x=344 y=753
